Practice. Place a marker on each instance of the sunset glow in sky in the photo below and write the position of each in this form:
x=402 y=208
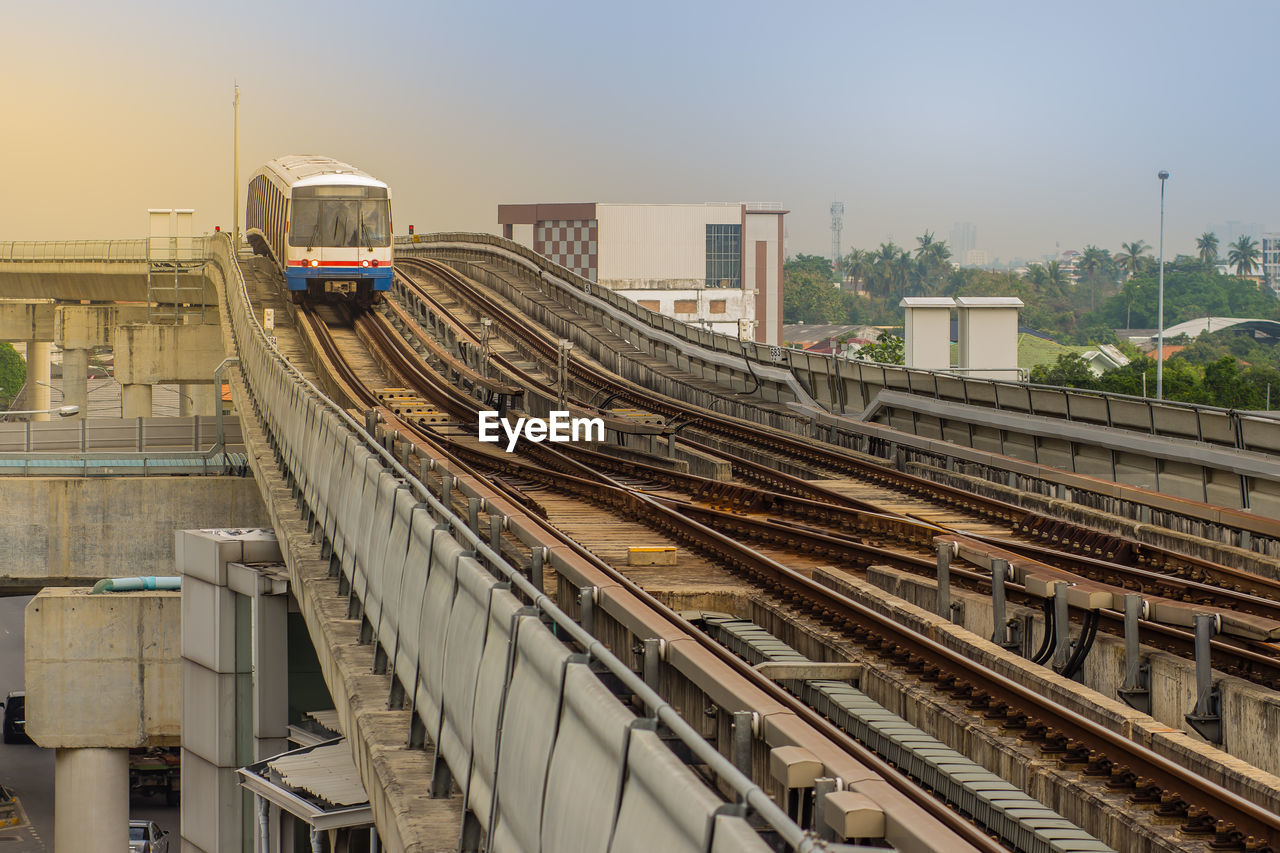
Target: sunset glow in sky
x=1039 y=123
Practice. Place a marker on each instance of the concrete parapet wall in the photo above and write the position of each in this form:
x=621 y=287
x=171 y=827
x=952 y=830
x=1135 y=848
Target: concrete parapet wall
x=65 y=531
x=103 y=670
x=1075 y=512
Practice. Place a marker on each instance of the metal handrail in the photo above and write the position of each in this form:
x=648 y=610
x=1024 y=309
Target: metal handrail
x=97 y=251
x=726 y=343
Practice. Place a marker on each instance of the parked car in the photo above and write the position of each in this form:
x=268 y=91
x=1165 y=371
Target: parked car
x=15 y=718
x=145 y=836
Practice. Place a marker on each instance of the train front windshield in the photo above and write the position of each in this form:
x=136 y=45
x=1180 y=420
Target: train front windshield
x=341 y=217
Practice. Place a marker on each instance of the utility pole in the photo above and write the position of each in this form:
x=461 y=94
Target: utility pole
x=1163 y=176
x=235 y=191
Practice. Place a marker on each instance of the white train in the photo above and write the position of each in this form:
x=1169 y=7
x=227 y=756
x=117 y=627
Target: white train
x=327 y=226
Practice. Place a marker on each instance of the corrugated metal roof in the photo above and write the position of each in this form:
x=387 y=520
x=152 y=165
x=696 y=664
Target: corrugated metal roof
x=328 y=719
x=327 y=772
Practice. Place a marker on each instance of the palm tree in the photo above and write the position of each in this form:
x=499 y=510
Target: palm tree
x=1207 y=247
x=1037 y=274
x=1130 y=291
x=926 y=242
x=1092 y=262
x=888 y=268
x=857 y=266
x=931 y=259
x=1130 y=256
x=1055 y=277
x=1243 y=255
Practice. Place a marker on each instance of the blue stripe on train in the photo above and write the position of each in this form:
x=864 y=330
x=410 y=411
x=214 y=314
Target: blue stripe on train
x=297 y=277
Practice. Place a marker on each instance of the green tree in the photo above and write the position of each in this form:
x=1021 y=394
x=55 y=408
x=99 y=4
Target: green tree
x=1207 y=248
x=931 y=262
x=1187 y=295
x=13 y=372
x=1226 y=385
x=1097 y=268
x=808 y=294
x=890 y=271
x=1069 y=371
x=858 y=266
x=1182 y=380
x=1243 y=255
x=1055 y=277
x=1131 y=255
x=813 y=264
x=890 y=349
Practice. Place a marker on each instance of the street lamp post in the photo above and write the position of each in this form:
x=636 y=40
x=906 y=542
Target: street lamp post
x=61 y=411
x=1163 y=176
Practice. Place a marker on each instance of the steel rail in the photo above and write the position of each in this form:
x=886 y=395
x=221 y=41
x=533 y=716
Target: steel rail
x=800 y=590
x=1130 y=554
x=428 y=384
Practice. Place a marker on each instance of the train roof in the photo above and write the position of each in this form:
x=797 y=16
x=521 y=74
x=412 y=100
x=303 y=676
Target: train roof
x=312 y=170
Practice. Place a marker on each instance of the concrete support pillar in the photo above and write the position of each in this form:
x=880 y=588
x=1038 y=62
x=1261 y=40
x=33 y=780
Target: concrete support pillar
x=270 y=675
x=38 y=375
x=75 y=379
x=91 y=800
x=135 y=401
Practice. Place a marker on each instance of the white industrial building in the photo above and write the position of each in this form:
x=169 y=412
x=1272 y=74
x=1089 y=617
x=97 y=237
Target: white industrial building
x=717 y=265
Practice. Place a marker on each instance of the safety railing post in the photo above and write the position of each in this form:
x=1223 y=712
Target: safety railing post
x=1206 y=717
x=945 y=550
x=1135 y=691
x=1061 y=626
x=587 y=609
x=742 y=736
x=999 y=622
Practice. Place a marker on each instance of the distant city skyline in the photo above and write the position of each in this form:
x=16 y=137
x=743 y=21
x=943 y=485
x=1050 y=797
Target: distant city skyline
x=462 y=107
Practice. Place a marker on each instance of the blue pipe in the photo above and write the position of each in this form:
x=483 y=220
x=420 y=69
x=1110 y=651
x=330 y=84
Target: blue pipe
x=130 y=584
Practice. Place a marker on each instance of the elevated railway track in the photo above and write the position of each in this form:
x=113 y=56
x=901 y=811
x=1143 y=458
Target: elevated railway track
x=793 y=518
x=836 y=478
x=699 y=527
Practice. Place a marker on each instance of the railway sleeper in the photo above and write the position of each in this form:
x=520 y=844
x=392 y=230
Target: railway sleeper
x=1000 y=807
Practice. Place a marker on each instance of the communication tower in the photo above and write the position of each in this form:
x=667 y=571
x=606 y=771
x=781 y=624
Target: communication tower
x=837 y=225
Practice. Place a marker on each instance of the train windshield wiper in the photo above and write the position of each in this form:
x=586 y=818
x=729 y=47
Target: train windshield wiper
x=366 y=238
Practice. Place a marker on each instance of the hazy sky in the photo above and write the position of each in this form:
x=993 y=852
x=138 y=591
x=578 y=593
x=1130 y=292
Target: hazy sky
x=1039 y=123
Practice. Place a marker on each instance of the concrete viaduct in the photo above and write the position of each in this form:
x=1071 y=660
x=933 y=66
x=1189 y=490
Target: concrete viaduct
x=320 y=481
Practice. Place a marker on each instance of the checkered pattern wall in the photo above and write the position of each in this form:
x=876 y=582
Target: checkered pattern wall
x=570 y=243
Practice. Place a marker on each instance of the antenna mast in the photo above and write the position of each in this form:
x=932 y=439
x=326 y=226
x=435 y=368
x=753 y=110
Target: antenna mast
x=837 y=225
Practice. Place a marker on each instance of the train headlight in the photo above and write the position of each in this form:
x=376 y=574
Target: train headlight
x=364 y=263
x=315 y=262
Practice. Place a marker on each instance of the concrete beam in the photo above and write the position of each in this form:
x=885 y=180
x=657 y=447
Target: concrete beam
x=26 y=320
x=72 y=281
x=89 y=326
x=76 y=531
x=153 y=354
x=104 y=670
